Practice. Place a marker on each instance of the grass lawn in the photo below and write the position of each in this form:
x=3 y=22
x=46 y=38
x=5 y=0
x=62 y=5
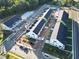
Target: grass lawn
x=1 y=34
x=55 y=51
x=1 y=37
x=11 y=55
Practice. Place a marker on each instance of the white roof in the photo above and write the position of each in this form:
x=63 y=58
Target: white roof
x=27 y=14
x=76 y=0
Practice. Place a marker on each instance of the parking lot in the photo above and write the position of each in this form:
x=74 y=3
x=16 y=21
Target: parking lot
x=23 y=49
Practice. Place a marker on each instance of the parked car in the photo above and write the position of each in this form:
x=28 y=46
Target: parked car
x=24 y=49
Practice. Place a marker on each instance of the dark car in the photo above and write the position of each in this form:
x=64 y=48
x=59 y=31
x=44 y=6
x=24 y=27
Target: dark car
x=24 y=49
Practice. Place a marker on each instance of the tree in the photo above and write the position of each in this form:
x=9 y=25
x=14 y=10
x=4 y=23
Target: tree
x=5 y=3
x=33 y=2
x=42 y=1
x=63 y=2
x=70 y=2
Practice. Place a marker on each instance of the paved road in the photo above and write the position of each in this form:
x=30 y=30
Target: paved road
x=38 y=46
x=12 y=40
x=39 y=54
x=75 y=41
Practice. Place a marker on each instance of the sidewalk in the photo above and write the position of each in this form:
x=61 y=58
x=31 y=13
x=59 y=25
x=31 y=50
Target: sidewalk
x=18 y=51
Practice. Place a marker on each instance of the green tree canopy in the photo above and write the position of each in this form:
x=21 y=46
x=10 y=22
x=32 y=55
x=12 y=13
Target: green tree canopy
x=5 y=3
